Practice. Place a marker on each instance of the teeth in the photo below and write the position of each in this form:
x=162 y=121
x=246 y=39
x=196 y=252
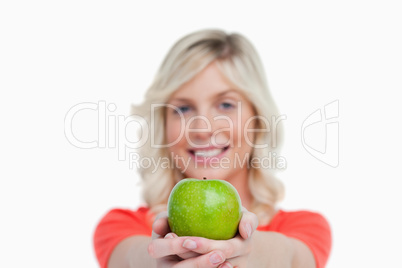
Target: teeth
x=208 y=153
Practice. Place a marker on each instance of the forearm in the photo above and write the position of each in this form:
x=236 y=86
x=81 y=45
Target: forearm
x=132 y=252
x=271 y=249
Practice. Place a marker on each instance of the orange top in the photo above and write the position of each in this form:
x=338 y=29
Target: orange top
x=308 y=227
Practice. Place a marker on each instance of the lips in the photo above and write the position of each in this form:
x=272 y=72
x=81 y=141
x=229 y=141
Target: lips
x=208 y=152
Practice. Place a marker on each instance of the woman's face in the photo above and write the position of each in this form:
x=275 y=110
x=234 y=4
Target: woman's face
x=212 y=134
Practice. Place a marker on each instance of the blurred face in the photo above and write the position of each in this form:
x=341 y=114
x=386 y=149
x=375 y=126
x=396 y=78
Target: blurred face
x=209 y=128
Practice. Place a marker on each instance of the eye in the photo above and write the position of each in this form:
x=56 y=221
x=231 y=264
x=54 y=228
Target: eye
x=183 y=109
x=226 y=105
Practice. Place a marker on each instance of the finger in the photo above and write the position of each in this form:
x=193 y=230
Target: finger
x=188 y=255
x=231 y=248
x=159 y=248
x=160 y=227
x=167 y=262
x=226 y=264
x=248 y=224
x=212 y=259
x=170 y=235
x=185 y=255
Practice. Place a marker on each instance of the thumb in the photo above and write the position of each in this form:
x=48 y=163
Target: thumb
x=160 y=227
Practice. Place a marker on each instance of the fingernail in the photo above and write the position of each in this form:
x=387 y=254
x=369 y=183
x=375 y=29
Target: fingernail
x=227 y=265
x=189 y=244
x=216 y=258
x=248 y=229
x=169 y=236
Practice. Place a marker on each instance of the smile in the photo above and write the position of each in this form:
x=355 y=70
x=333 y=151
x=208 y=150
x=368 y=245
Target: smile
x=207 y=153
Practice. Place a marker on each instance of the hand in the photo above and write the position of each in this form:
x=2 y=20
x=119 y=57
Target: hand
x=201 y=252
x=167 y=255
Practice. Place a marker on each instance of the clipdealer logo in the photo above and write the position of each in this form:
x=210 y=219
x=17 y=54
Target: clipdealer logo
x=112 y=129
x=320 y=134
x=319 y=131
x=116 y=131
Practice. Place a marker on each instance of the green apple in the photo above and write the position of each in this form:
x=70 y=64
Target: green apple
x=204 y=208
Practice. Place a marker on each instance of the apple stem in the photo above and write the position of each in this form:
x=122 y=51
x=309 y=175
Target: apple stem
x=205 y=178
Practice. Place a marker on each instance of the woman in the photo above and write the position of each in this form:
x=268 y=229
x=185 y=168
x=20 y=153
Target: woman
x=215 y=119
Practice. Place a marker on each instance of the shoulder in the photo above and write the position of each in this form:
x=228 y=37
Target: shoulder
x=299 y=223
x=116 y=225
x=120 y=216
x=122 y=213
x=124 y=222
x=283 y=219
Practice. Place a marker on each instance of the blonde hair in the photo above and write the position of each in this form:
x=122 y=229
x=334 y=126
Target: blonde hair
x=239 y=62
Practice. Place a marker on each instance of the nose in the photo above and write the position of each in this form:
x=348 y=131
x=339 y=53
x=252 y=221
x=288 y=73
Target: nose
x=200 y=129
x=208 y=129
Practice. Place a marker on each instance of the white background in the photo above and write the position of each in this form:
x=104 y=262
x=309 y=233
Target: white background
x=54 y=55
